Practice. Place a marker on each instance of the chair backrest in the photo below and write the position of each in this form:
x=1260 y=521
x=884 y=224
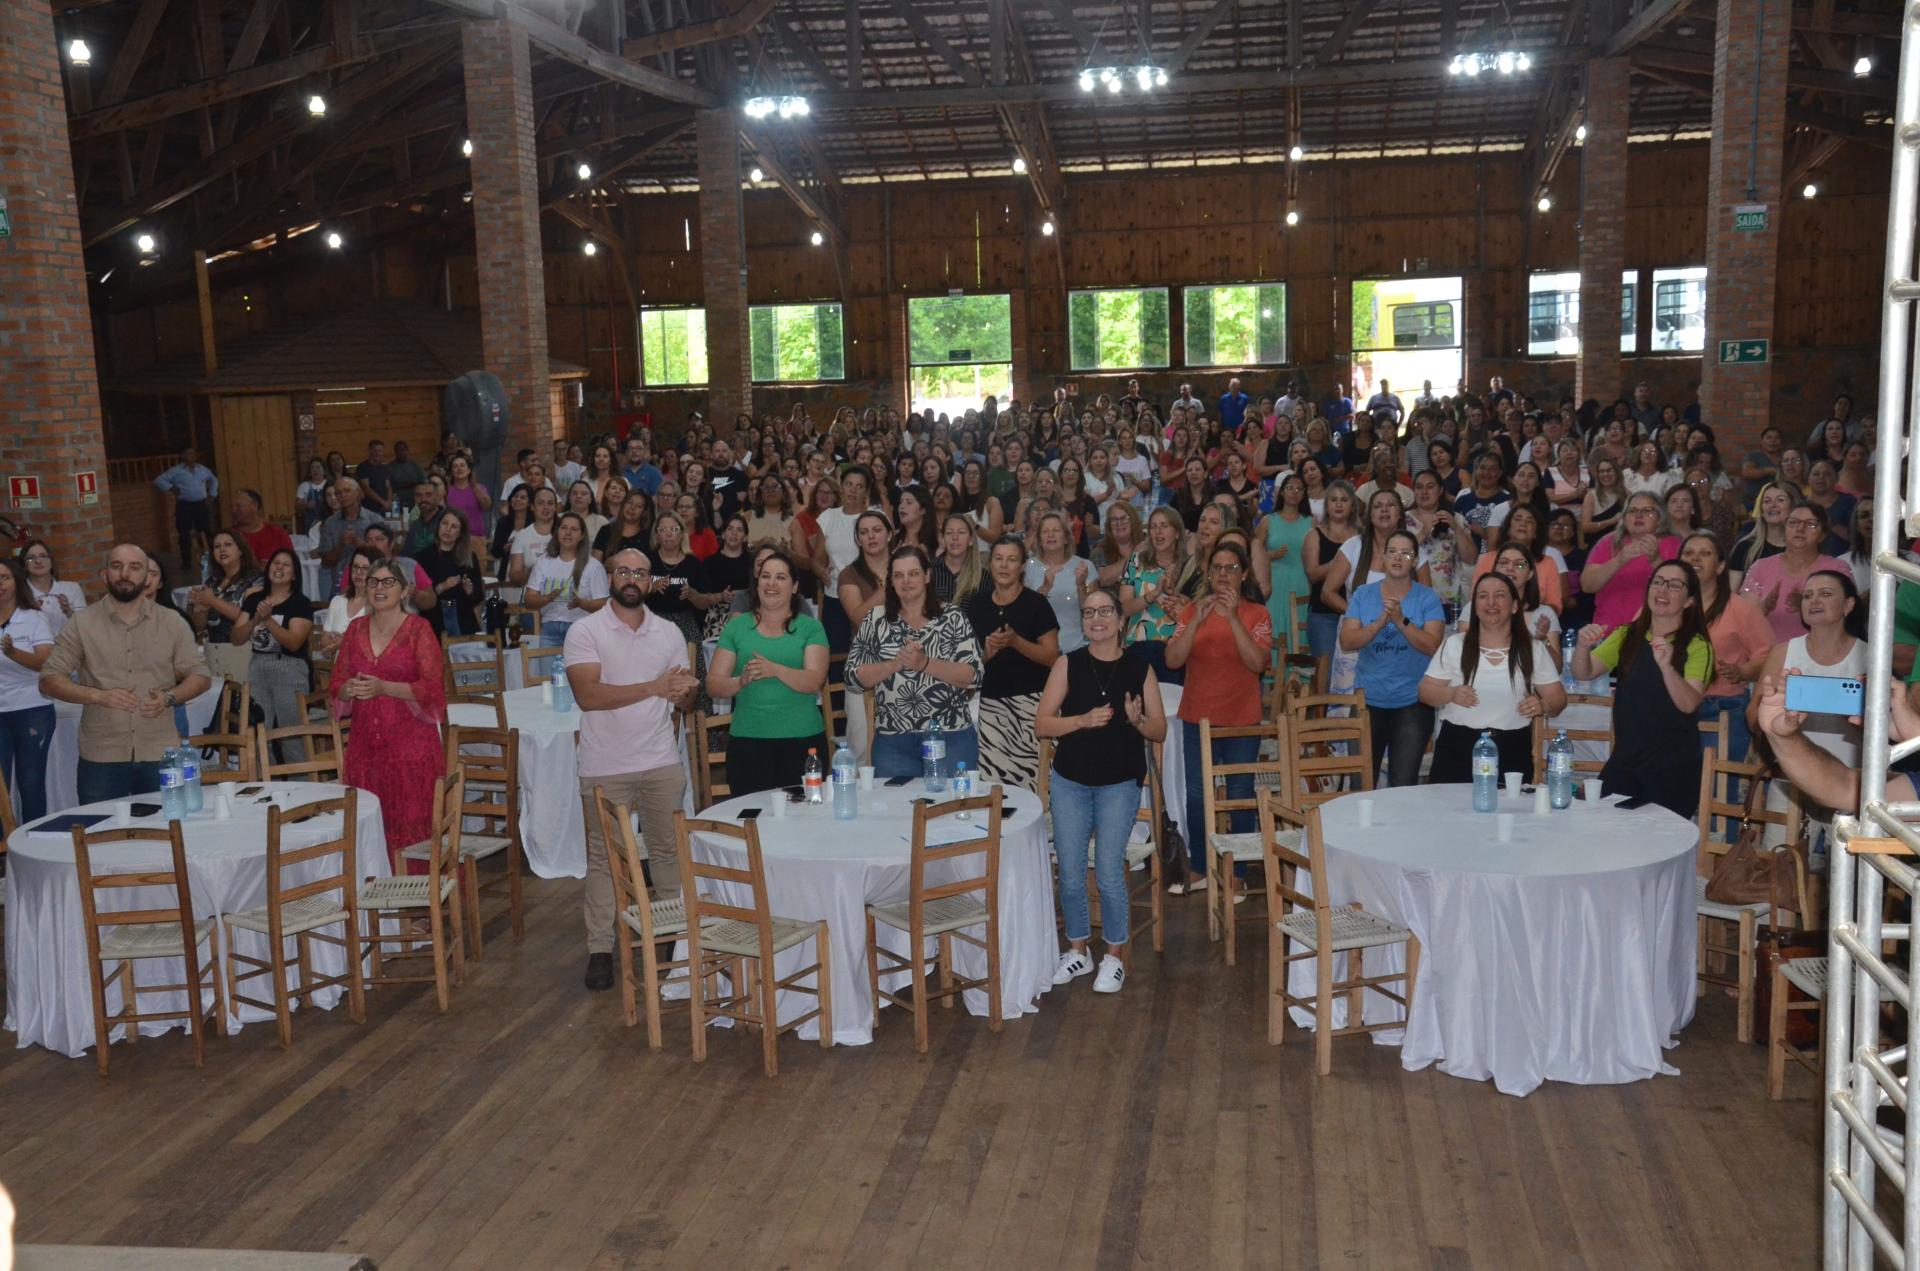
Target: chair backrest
x=229 y=735
x=833 y=700
x=282 y=891
x=92 y=884
x=985 y=847
x=7 y=823
x=709 y=754
x=527 y=618
x=530 y=654
x=449 y=796
x=623 y=860
x=1285 y=863
x=325 y=753
x=1294 y=675
x=485 y=701
x=694 y=871
x=490 y=760
x=1722 y=809
x=1275 y=771
x=1330 y=750
x=481 y=669
x=1544 y=730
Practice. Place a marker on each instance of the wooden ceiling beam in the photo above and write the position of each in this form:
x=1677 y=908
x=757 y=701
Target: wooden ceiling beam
x=1652 y=19
x=567 y=46
x=1844 y=83
x=133 y=50
x=938 y=43
x=1198 y=36
x=1357 y=12
x=745 y=16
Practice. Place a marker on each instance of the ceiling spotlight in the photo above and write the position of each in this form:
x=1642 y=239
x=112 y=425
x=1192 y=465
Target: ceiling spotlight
x=80 y=55
x=334 y=240
x=1504 y=62
x=1456 y=65
x=590 y=247
x=316 y=105
x=1808 y=190
x=756 y=176
x=1473 y=67
x=1580 y=133
x=1521 y=62
x=785 y=107
x=584 y=171
x=1019 y=166
x=466 y=147
x=1114 y=85
x=146 y=244
x=1296 y=154
x=1862 y=67
x=817 y=238
x=1144 y=77
x=1086 y=81
x=1293 y=217
x=1046 y=227
x=1160 y=78
x=1545 y=204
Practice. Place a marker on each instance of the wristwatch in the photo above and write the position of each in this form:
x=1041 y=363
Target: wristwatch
x=171 y=700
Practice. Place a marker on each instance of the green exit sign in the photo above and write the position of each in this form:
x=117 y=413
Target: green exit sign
x=1743 y=352
x=1750 y=218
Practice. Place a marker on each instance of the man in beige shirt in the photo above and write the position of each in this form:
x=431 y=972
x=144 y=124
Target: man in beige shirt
x=128 y=665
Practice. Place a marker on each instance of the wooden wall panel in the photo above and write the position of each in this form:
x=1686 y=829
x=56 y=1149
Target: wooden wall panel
x=346 y=420
x=253 y=449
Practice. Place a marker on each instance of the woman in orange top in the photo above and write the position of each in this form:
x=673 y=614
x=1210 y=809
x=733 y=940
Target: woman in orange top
x=1223 y=640
x=1523 y=527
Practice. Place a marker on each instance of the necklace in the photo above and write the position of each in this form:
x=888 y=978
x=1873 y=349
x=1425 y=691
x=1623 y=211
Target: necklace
x=1103 y=682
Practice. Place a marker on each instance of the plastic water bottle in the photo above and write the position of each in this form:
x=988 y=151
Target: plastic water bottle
x=562 y=692
x=812 y=779
x=1568 y=640
x=962 y=788
x=1486 y=774
x=933 y=760
x=1560 y=771
x=173 y=789
x=846 y=784
x=196 y=798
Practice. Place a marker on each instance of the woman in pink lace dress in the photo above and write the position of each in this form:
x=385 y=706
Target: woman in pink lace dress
x=387 y=681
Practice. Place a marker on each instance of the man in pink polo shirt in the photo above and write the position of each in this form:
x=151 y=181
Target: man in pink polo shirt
x=628 y=669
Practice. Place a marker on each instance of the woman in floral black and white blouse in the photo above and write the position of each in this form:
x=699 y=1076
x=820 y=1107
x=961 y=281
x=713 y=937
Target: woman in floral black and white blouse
x=919 y=661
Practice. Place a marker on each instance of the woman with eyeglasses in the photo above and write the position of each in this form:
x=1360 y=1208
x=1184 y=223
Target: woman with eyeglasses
x=1620 y=564
x=1662 y=663
x=1221 y=644
x=349 y=602
x=1497 y=675
x=1019 y=638
x=919 y=662
x=59 y=599
x=215 y=605
x=387 y=683
x=1775 y=582
x=1061 y=577
x=1395 y=625
x=1100 y=707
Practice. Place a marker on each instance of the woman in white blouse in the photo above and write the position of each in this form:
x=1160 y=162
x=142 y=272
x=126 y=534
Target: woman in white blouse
x=58 y=600
x=1493 y=677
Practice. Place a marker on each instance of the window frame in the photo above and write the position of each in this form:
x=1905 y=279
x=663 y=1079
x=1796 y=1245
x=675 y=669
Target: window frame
x=914 y=364
x=1286 y=342
x=1629 y=311
x=1166 y=294
x=647 y=311
x=1677 y=274
x=815 y=305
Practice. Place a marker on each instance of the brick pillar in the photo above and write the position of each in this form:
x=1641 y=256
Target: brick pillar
x=1027 y=378
x=52 y=422
x=723 y=268
x=1750 y=93
x=1603 y=229
x=506 y=226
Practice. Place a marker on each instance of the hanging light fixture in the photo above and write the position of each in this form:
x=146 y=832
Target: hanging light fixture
x=1545 y=204
x=1580 y=133
x=817 y=238
x=1506 y=61
x=787 y=107
x=756 y=176
x=316 y=105
x=584 y=171
x=147 y=245
x=1809 y=190
x=1296 y=154
x=79 y=54
x=334 y=240
x=590 y=247
x=466 y=147
x=1019 y=166
x=1293 y=217
x=1862 y=66
x=1046 y=227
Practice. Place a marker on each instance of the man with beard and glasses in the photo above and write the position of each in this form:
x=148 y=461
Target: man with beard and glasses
x=628 y=669
x=128 y=662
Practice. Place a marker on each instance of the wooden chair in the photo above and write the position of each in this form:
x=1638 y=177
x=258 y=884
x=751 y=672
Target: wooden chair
x=301 y=911
x=943 y=912
x=128 y=936
x=1333 y=754
x=325 y=753
x=1227 y=851
x=645 y=924
x=1717 y=804
x=483 y=675
x=433 y=895
x=493 y=703
x=1322 y=930
x=490 y=760
x=1291 y=676
x=229 y=736
x=709 y=755
x=530 y=654
x=527 y=618
x=732 y=934
x=833 y=698
x=1808 y=976
x=1545 y=730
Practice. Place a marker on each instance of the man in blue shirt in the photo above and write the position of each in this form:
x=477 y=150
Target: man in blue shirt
x=1233 y=406
x=642 y=476
x=194 y=489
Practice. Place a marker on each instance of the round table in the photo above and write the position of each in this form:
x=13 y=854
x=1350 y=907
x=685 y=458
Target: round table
x=63 y=755
x=819 y=867
x=49 y=990
x=1566 y=954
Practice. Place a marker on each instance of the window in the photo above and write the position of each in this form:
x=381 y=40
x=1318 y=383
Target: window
x=959 y=351
x=797 y=343
x=1237 y=324
x=673 y=346
x=1406 y=333
x=1553 y=313
x=1680 y=310
x=1117 y=330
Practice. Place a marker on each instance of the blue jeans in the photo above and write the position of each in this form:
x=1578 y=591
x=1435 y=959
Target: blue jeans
x=100 y=782
x=553 y=635
x=1225 y=750
x=898 y=754
x=1734 y=707
x=1104 y=814
x=25 y=737
x=1323 y=634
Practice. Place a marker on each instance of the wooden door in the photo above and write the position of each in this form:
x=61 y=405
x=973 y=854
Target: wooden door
x=253 y=450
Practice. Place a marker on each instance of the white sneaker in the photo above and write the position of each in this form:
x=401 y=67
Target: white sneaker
x=1073 y=965
x=1113 y=973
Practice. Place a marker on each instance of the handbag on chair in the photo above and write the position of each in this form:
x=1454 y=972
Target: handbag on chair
x=1750 y=873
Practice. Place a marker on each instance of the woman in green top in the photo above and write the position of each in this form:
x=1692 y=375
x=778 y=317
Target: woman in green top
x=1144 y=585
x=1279 y=551
x=1663 y=662
x=772 y=661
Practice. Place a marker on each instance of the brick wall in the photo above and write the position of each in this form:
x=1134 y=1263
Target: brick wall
x=506 y=216
x=723 y=268
x=1603 y=223
x=51 y=426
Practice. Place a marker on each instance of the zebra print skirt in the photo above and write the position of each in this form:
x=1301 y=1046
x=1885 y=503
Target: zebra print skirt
x=1009 y=750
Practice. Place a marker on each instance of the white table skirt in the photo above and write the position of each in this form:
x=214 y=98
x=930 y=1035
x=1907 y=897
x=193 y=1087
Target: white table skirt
x=1565 y=955
x=818 y=867
x=63 y=758
x=49 y=990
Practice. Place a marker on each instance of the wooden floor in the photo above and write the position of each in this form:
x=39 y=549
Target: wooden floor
x=530 y=1129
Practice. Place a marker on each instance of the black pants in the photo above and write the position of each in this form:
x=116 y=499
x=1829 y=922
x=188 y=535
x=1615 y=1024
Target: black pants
x=1453 y=753
x=190 y=518
x=1400 y=733
x=767 y=763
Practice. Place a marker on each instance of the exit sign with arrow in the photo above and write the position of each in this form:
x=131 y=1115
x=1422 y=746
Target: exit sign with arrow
x=1743 y=352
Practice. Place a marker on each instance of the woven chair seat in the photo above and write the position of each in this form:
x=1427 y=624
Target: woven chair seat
x=305 y=914
x=948 y=913
x=410 y=892
x=669 y=918
x=473 y=847
x=1352 y=929
x=1250 y=846
x=742 y=939
x=1714 y=909
x=149 y=940
x=1809 y=975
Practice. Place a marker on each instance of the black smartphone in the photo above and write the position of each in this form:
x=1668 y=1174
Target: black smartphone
x=244 y=791
x=749 y=814
x=1628 y=805
x=1528 y=789
x=898 y=781
x=146 y=809
x=794 y=794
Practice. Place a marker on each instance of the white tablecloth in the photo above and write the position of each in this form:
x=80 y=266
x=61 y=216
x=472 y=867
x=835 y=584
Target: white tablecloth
x=818 y=867
x=1564 y=955
x=49 y=993
x=63 y=758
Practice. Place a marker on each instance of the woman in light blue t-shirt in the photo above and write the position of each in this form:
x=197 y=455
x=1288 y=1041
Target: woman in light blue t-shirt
x=1395 y=624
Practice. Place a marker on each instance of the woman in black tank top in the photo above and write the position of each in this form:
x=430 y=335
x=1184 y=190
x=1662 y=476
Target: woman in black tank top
x=1100 y=708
